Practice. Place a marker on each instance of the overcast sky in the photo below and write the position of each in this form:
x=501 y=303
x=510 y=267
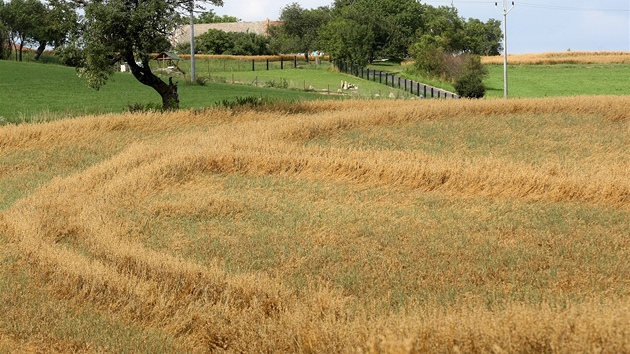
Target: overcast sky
x=534 y=26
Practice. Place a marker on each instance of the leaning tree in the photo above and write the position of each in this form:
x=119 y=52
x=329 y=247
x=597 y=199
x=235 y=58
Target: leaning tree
x=130 y=31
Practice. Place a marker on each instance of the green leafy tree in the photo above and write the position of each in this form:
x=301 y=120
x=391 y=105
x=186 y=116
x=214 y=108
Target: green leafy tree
x=5 y=43
x=429 y=56
x=129 y=31
x=470 y=84
x=23 y=19
x=303 y=26
x=349 y=40
x=444 y=24
x=215 y=41
x=280 y=42
x=387 y=26
x=60 y=20
x=212 y=17
x=483 y=38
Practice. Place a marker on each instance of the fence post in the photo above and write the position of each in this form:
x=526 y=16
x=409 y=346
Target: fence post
x=405 y=84
x=418 y=89
x=281 y=63
x=432 y=92
x=267 y=64
x=386 y=77
x=295 y=61
x=380 y=77
x=253 y=67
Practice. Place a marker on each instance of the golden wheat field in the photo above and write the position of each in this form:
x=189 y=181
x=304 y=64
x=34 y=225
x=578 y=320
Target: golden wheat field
x=493 y=226
x=569 y=57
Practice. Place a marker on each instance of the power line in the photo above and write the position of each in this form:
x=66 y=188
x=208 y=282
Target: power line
x=568 y=8
x=531 y=5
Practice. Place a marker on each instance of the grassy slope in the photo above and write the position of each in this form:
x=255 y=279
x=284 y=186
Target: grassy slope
x=432 y=226
x=528 y=81
x=560 y=80
x=33 y=89
x=35 y=92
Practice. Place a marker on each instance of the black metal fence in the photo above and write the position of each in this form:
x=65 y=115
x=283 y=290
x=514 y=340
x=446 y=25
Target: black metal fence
x=413 y=87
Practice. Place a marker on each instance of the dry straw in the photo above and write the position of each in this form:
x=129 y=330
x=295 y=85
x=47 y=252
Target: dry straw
x=87 y=236
x=568 y=57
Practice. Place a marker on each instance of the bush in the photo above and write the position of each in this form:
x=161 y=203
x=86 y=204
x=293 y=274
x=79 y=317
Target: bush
x=470 y=83
x=429 y=58
x=470 y=86
x=247 y=102
x=219 y=42
x=144 y=108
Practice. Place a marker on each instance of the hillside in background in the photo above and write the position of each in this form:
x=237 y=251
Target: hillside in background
x=34 y=93
x=371 y=226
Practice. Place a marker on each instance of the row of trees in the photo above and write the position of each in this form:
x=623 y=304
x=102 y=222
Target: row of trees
x=442 y=44
x=229 y=43
x=363 y=30
x=111 y=31
x=31 y=22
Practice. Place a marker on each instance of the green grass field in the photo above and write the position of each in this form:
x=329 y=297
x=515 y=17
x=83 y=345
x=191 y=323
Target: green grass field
x=35 y=92
x=526 y=81
x=531 y=81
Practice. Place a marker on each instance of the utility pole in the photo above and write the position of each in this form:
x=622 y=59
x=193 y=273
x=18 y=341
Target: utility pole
x=193 y=76
x=506 y=11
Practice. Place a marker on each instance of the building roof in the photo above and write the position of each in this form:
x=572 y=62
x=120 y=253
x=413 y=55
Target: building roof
x=167 y=56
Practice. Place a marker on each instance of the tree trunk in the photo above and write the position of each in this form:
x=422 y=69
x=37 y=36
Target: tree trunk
x=143 y=73
x=40 y=50
x=170 y=99
x=21 y=47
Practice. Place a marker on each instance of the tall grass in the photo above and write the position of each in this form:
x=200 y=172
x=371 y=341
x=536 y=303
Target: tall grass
x=562 y=58
x=433 y=226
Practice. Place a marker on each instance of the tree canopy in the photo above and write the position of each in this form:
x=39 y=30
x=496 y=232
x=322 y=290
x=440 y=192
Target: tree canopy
x=22 y=19
x=301 y=26
x=130 y=31
x=25 y=22
x=364 y=30
x=211 y=17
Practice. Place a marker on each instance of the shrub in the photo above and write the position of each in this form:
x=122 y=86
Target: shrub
x=283 y=84
x=470 y=83
x=248 y=101
x=470 y=86
x=143 y=108
x=429 y=58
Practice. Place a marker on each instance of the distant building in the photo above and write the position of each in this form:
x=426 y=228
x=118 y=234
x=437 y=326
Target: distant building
x=182 y=34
